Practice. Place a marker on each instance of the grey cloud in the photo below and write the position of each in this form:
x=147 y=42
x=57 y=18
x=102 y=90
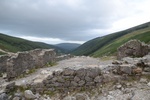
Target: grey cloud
x=64 y=19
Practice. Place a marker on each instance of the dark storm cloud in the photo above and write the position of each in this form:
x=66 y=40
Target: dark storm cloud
x=64 y=19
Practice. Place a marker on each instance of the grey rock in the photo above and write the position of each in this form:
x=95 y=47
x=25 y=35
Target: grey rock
x=116 y=62
x=67 y=83
x=109 y=78
x=69 y=98
x=88 y=79
x=3 y=63
x=98 y=79
x=20 y=62
x=73 y=83
x=143 y=80
x=93 y=72
x=126 y=69
x=81 y=73
x=141 y=95
x=76 y=79
x=81 y=83
x=10 y=87
x=29 y=95
x=148 y=84
x=90 y=83
x=16 y=98
x=119 y=86
x=81 y=97
x=3 y=96
x=133 y=48
x=68 y=72
x=147 y=69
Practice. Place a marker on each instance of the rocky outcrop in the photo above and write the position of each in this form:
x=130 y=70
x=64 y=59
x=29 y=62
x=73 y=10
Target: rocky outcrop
x=133 y=48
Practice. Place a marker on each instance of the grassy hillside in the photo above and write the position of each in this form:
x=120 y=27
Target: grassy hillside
x=13 y=44
x=108 y=44
x=67 y=47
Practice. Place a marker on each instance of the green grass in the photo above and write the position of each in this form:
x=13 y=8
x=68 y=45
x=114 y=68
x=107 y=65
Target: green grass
x=50 y=64
x=112 y=47
x=13 y=44
x=107 y=45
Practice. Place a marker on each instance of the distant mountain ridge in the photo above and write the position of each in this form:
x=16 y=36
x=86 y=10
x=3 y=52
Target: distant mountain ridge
x=14 y=44
x=107 y=45
x=68 y=46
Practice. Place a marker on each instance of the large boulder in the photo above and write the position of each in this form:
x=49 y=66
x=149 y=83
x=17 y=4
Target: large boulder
x=133 y=48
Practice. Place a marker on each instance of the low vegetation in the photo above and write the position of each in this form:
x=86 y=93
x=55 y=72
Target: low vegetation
x=13 y=44
x=107 y=45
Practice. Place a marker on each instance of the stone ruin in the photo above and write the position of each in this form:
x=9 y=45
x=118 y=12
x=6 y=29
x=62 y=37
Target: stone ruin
x=78 y=79
x=70 y=79
x=17 y=64
x=133 y=48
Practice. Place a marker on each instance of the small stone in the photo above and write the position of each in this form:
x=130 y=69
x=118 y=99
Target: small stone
x=43 y=72
x=148 y=84
x=10 y=87
x=116 y=62
x=16 y=98
x=109 y=97
x=126 y=68
x=69 y=98
x=98 y=79
x=147 y=69
x=88 y=79
x=81 y=83
x=128 y=84
x=137 y=70
x=143 y=80
x=3 y=96
x=119 y=86
x=68 y=72
x=81 y=97
x=74 y=83
x=76 y=79
x=29 y=95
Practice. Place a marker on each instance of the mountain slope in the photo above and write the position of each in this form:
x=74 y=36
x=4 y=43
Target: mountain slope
x=13 y=44
x=108 y=44
x=68 y=46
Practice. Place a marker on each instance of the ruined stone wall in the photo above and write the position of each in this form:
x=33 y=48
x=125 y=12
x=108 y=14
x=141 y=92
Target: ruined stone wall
x=74 y=79
x=16 y=64
x=3 y=63
x=23 y=61
x=133 y=48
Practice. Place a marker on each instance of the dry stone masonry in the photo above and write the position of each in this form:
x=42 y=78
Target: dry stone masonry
x=133 y=48
x=86 y=78
x=17 y=64
x=3 y=63
x=71 y=79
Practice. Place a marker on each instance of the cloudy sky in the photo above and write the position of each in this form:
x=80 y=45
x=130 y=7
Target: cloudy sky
x=77 y=21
